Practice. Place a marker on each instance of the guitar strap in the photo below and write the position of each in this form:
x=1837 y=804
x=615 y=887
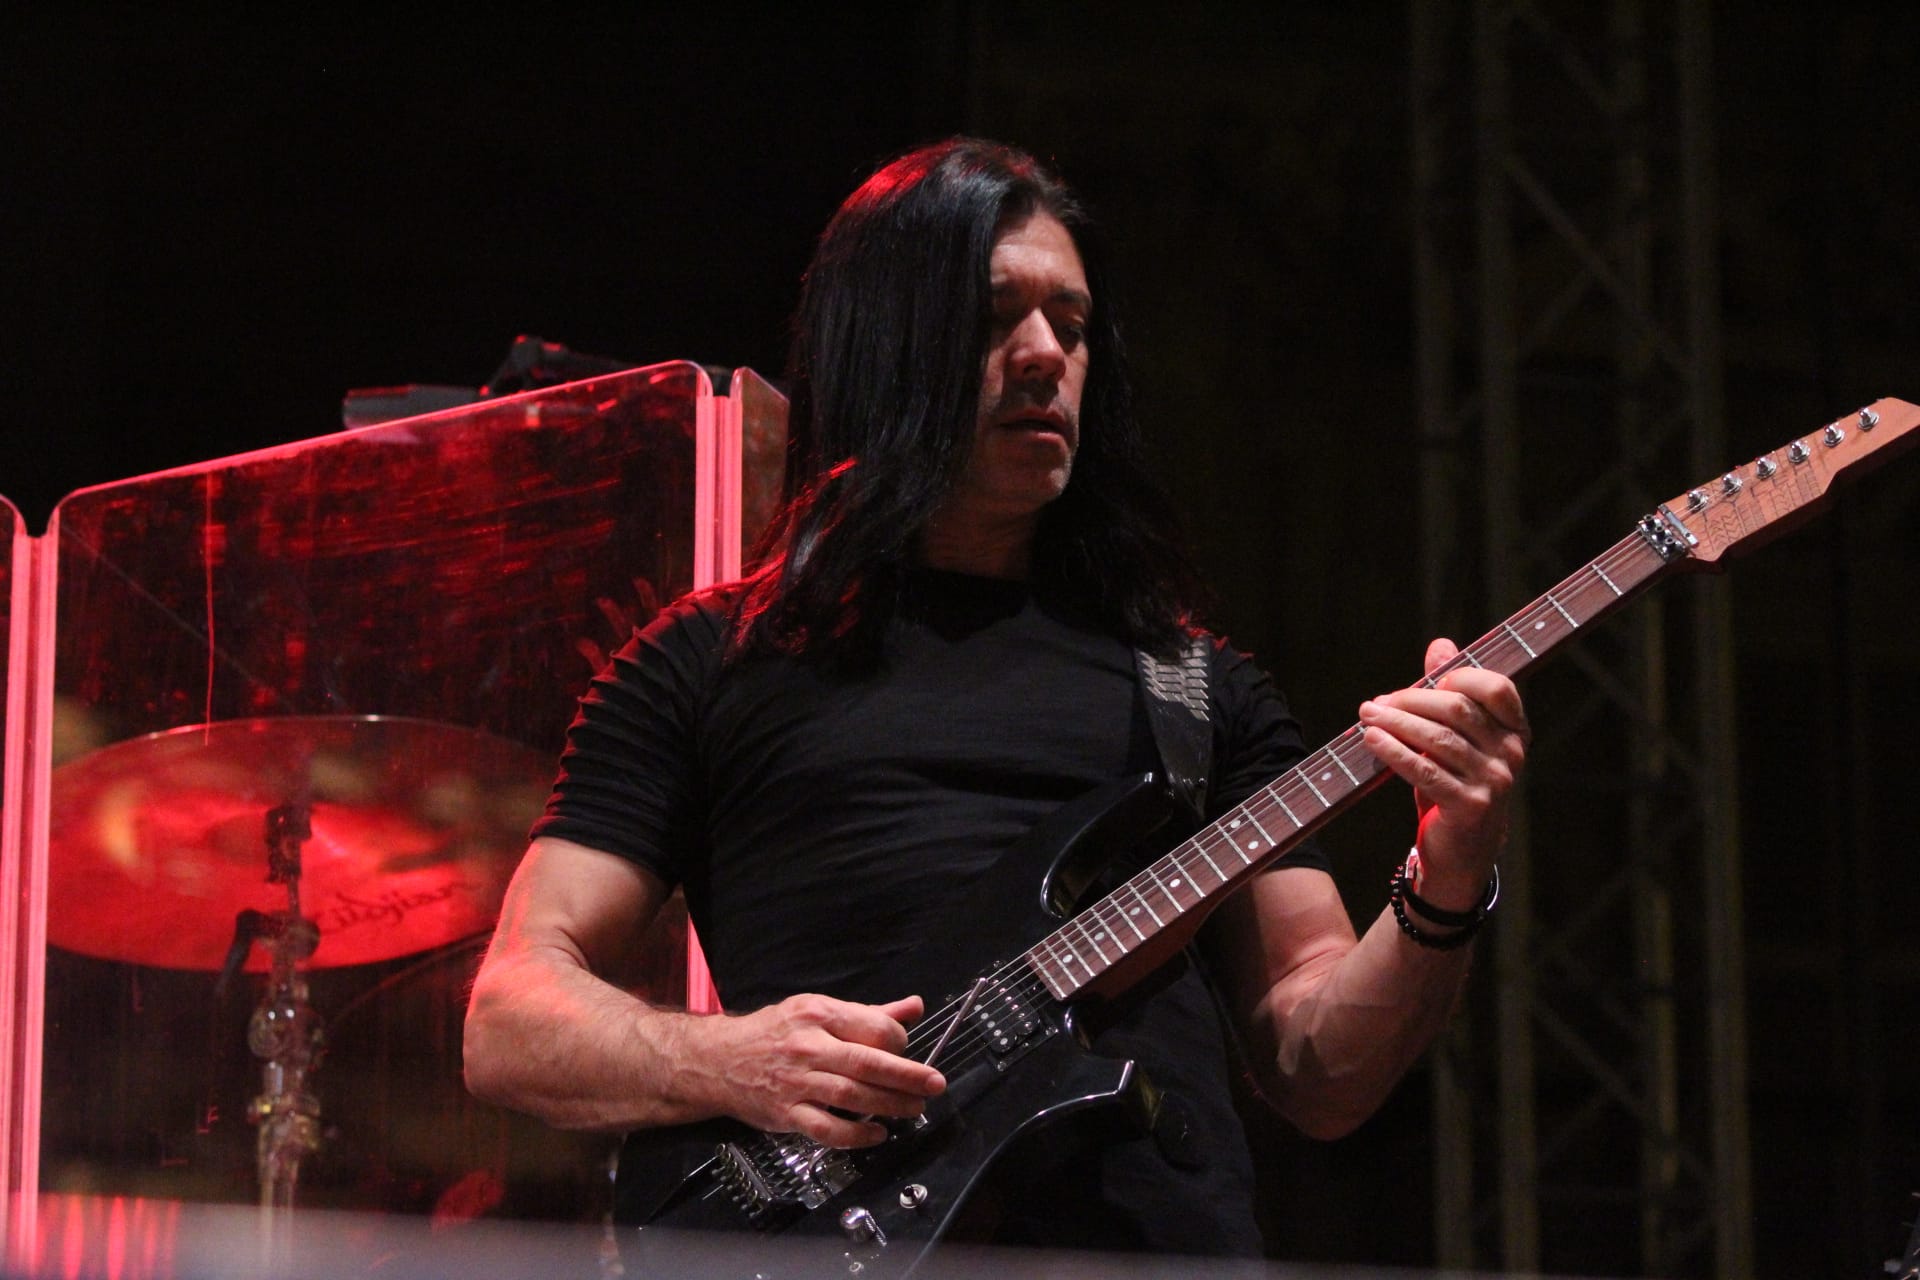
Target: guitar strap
x=1177 y=708
x=1176 y=695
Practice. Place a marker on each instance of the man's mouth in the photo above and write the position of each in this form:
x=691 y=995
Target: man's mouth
x=1046 y=423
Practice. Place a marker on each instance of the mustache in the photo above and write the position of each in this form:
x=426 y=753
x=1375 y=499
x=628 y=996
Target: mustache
x=1016 y=403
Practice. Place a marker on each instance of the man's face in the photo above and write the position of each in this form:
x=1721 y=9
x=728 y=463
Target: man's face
x=1028 y=426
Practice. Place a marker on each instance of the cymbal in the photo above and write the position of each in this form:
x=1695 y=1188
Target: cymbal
x=158 y=843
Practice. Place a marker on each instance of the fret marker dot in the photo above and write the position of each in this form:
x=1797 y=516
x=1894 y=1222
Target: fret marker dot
x=1540 y=626
x=1098 y=936
x=1253 y=844
x=1326 y=777
x=1235 y=823
x=1134 y=912
x=1174 y=883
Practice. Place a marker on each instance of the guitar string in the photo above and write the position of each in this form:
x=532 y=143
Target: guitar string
x=1168 y=872
x=1537 y=615
x=1501 y=644
x=1031 y=985
x=1505 y=642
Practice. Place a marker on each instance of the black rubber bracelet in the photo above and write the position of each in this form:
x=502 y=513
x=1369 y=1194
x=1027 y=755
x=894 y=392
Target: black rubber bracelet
x=1467 y=922
x=1440 y=915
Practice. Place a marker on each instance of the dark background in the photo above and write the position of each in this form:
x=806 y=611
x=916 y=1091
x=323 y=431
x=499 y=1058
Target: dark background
x=217 y=225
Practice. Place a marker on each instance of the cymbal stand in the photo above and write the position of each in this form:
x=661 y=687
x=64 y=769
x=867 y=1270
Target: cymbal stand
x=286 y=1033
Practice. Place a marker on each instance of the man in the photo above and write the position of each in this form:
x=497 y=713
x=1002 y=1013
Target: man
x=937 y=650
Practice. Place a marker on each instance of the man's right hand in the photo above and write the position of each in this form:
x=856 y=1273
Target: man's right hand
x=811 y=1065
x=552 y=1031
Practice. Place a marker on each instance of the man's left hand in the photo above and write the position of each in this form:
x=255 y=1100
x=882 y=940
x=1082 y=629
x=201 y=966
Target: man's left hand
x=1461 y=744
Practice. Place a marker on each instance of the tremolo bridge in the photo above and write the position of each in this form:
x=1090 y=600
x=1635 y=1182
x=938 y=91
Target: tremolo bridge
x=774 y=1169
x=1001 y=1014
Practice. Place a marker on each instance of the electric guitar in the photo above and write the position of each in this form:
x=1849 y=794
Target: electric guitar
x=1026 y=966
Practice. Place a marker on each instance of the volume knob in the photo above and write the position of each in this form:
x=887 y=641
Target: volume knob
x=860 y=1226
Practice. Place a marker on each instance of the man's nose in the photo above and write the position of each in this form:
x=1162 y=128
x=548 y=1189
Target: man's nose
x=1036 y=350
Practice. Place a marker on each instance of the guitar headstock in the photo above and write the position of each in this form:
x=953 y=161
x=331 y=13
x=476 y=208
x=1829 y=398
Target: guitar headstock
x=1773 y=493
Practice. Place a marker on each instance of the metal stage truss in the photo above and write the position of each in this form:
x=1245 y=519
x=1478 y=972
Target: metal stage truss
x=1569 y=365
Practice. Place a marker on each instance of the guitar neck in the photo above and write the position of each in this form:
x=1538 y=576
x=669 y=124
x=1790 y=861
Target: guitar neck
x=1172 y=894
x=1123 y=935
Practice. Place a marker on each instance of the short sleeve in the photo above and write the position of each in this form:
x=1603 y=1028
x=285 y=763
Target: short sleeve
x=629 y=778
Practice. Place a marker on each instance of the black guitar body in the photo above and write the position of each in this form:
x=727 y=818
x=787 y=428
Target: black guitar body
x=808 y=1211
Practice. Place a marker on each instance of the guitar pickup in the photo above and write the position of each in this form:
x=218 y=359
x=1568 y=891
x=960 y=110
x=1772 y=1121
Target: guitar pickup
x=1007 y=1018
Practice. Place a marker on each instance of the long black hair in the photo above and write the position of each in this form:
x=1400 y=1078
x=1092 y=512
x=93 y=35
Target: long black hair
x=889 y=344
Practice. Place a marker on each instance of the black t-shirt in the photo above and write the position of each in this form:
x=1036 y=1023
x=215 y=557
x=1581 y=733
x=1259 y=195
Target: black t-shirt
x=822 y=824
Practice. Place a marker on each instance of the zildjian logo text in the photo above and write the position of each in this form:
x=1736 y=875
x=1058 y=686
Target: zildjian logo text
x=389 y=909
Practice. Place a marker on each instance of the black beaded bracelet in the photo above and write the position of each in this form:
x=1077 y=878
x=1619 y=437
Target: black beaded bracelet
x=1460 y=919
x=1466 y=923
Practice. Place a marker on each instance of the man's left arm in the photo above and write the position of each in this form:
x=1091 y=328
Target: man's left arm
x=1332 y=1022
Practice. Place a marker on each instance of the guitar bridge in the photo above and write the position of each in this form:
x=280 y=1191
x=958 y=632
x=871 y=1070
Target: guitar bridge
x=781 y=1169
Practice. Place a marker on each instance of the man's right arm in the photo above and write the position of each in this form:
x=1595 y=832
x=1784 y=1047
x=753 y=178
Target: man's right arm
x=550 y=1031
